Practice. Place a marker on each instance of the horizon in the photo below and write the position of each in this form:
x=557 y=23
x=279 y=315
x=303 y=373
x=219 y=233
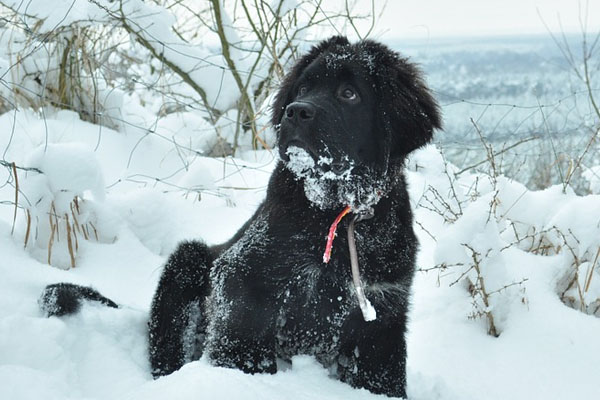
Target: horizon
x=492 y=18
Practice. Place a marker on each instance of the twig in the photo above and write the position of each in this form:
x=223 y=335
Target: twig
x=504 y=150
x=483 y=294
x=590 y=273
x=577 y=164
x=28 y=228
x=14 y=167
x=51 y=239
x=425 y=230
x=69 y=241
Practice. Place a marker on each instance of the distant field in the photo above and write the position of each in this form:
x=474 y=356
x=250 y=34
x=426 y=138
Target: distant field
x=513 y=88
x=509 y=85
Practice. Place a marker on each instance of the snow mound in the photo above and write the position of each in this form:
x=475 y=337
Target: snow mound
x=62 y=193
x=70 y=169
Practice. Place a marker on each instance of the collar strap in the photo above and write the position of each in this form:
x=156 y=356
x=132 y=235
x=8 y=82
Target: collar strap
x=368 y=311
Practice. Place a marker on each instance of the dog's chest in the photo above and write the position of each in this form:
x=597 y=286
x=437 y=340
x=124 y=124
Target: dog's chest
x=313 y=303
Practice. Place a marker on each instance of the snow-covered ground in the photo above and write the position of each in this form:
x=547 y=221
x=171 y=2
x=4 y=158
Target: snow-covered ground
x=495 y=257
x=545 y=349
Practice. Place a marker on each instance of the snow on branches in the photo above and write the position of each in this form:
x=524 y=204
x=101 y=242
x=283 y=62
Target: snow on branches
x=495 y=237
x=61 y=194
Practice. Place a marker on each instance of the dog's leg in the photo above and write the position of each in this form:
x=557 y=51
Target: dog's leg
x=240 y=334
x=177 y=320
x=373 y=354
x=249 y=354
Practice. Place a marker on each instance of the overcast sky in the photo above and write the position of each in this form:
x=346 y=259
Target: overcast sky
x=443 y=18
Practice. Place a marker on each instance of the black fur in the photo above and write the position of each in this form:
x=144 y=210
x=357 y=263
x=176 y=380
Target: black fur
x=266 y=294
x=183 y=286
x=65 y=298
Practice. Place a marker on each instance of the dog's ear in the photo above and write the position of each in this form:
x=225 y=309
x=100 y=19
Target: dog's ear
x=284 y=95
x=406 y=106
x=415 y=109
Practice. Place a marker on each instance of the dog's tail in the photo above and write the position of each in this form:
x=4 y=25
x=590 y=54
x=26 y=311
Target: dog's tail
x=65 y=298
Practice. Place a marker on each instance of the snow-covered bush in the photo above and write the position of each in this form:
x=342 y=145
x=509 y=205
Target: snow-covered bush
x=474 y=244
x=219 y=60
x=61 y=193
x=196 y=76
x=483 y=223
x=574 y=233
x=63 y=63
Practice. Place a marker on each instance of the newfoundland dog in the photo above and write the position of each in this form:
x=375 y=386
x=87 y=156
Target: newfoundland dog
x=347 y=115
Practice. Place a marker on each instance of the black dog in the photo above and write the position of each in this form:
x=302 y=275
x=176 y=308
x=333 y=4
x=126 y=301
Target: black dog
x=347 y=116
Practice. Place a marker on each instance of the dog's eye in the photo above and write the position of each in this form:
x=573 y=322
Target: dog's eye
x=302 y=90
x=349 y=94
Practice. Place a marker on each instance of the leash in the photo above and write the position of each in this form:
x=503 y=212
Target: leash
x=368 y=311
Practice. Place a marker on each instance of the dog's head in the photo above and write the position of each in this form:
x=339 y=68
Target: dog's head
x=347 y=116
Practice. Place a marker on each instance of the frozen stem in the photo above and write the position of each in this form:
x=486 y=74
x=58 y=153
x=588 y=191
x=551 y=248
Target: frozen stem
x=478 y=289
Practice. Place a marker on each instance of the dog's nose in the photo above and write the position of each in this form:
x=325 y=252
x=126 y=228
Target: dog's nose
x=300 y=112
